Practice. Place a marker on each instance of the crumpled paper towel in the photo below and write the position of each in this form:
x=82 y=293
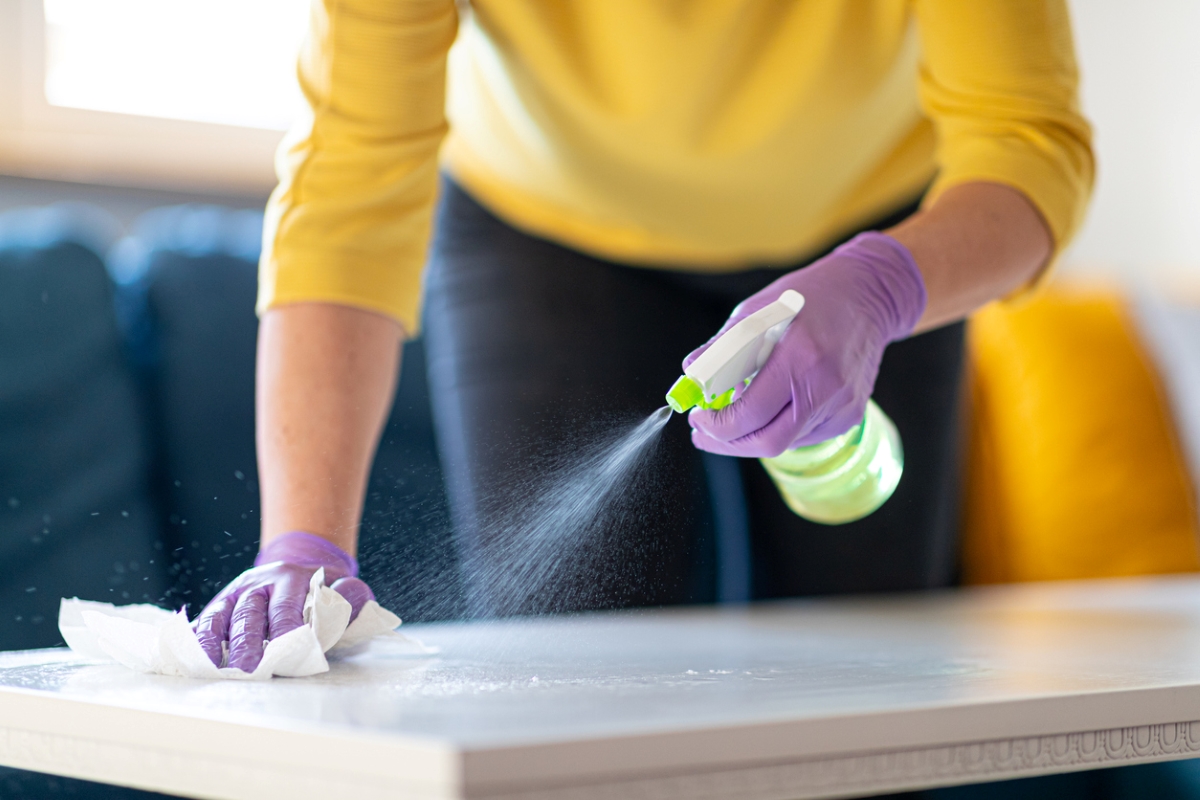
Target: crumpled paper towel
x=153 y=640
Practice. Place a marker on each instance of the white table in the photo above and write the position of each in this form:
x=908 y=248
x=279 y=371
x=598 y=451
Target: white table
x=792 y=700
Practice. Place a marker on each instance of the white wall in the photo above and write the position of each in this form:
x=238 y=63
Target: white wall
x=1140 y=62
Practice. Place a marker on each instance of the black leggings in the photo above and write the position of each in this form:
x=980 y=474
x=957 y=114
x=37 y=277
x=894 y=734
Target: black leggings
x=530 y=342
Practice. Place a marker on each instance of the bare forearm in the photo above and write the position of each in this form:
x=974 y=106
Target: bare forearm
x=977 y=243
x=325 y=378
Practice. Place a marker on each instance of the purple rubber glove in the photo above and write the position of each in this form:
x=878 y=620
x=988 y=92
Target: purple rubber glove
x=817 y=381
x=268 y=601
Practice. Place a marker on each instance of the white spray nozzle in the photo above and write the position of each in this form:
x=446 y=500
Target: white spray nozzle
x=742 y=350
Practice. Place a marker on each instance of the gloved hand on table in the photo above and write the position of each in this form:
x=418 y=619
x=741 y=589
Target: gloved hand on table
x=816 y=383
x=268 y=601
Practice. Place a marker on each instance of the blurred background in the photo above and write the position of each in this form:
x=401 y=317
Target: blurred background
x=136 y=147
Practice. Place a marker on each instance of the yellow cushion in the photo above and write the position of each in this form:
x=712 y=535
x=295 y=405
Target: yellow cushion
x=1073 y=468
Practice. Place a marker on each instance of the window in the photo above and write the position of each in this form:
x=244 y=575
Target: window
x=228 y=62
x=188 y=94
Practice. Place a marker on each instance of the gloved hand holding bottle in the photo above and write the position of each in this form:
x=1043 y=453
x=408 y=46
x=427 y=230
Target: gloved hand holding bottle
x=816 y=383
x=268 y=601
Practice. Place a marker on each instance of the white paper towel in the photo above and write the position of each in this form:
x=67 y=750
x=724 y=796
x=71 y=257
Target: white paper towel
x=151 y=639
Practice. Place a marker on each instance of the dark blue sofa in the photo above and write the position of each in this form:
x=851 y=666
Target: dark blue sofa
x=127 y=465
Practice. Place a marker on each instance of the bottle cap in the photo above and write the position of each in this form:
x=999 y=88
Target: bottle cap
x=684 y=394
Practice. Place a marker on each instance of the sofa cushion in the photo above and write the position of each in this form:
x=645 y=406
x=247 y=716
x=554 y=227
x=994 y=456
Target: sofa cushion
x=76 y=515
x=1075 y=467
x=187 y=285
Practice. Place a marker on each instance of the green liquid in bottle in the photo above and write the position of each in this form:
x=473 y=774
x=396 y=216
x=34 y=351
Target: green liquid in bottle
x=844 y=478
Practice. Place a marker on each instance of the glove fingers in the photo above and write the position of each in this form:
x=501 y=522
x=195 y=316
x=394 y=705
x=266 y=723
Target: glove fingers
x=248 y=630
x=702 y=441
x=762 y=401
x=356 y=593
x=285 y=612
x=767 y=442
x=212 y=627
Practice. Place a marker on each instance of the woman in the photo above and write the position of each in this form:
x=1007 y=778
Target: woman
x=620 y=175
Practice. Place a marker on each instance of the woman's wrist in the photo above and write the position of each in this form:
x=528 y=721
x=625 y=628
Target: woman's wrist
x=977 y=243
x=307 y=550
x=325 y=378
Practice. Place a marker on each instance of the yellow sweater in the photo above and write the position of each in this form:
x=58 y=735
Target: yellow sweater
x=698 y=134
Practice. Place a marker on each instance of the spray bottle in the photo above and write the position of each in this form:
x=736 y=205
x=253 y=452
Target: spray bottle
x=839 y=480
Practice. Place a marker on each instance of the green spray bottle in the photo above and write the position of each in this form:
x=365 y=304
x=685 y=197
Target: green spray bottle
x=839 y=480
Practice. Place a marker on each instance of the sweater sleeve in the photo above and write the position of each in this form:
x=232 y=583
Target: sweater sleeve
x=350 y=220
x=999 y=81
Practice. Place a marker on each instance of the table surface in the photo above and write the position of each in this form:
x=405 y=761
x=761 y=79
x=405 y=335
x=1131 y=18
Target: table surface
x=819 y=698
